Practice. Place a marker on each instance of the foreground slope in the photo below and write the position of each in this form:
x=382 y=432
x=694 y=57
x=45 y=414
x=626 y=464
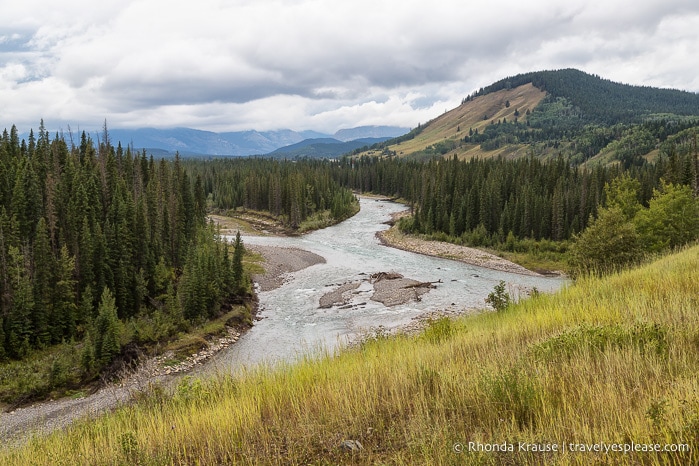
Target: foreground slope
x=611 y=360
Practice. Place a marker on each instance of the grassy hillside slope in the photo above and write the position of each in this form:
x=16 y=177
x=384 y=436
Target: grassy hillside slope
x=611 y=360
x=453 y=125
x=574 y=114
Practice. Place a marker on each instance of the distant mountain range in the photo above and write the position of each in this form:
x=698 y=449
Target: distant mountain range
x=324 y=147
x=193 y=142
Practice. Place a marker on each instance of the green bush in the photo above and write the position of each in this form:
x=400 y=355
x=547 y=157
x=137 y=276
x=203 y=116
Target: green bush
x=499 y=298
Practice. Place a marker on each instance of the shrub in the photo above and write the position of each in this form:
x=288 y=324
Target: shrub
x=609 y=243
x=499 y=298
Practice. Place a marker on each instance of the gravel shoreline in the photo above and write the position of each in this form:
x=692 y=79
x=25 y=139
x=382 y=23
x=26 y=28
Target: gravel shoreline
x=395 y=239
x=279 y=262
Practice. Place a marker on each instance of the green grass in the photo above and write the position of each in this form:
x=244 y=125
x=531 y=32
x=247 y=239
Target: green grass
x=323 y=219
x=611 y=360
x=51 y=372
x=252 y=261
x=542 y=262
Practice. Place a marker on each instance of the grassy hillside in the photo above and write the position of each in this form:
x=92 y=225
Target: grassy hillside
x=443 y=134
x=561 y=112
x=611 y=360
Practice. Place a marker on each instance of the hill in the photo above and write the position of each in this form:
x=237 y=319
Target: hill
x=548 y=113
x=610 y=362
x=600 y=100
x=369 y=132
x=444 y=134
x=323 y=148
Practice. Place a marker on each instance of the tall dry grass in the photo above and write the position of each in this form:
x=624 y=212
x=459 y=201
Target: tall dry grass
x=612 y=360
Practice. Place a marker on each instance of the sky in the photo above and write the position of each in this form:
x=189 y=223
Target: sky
x=231 y=65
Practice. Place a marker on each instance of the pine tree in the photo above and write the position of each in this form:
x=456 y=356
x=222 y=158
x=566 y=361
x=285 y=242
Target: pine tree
x=237 y=267
x=66 y=310
x=107 y=330
x=20 y=331
x=46 y=329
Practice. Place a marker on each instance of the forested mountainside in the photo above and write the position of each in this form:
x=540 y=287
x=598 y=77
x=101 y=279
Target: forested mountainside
x=551 y=113
x=327 y=148
x=602 y=101
x=526 y=164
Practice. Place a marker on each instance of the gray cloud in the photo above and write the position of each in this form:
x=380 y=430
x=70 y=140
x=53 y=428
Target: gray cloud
x=299 y=64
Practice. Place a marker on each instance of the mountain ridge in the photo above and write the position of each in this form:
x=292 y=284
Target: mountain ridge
x=324 y=147
x=194 y=142
x=553 y=113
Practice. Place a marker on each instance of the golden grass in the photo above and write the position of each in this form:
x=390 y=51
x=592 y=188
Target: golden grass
x=611 y=360
x=455 y=124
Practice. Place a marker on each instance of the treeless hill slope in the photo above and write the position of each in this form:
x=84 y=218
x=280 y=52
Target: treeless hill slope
x=452 y=126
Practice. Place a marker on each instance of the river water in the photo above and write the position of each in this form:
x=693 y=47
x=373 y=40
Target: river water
x=292 y=323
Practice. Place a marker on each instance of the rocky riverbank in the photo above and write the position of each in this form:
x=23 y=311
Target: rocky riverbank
x=279 y=262
x=388 y=288
x=394 y=238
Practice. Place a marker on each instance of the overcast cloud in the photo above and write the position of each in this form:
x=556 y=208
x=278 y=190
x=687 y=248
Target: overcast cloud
x=310 y=64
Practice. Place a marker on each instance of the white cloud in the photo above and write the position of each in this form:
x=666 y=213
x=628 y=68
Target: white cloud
x=229 y=65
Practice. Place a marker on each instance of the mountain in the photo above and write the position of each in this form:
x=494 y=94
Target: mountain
x=324 y=147
x=550 y=113
x=603 y=101
x=443 y=136
x=190 y=142
x=194 y=142
x=375 y=132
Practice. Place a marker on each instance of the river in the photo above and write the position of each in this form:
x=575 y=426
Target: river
x=294 y=325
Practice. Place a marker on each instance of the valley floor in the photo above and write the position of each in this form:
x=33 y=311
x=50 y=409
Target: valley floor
x=45 y=417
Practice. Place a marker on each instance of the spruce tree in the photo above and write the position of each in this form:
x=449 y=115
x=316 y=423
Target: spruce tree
x=2 y=339
x=237 y=266
x=107 y=330
x=45 y=329
x=20 y=332
x=65 y=308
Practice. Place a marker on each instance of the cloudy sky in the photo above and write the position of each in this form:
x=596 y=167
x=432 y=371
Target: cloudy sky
x=228 y=65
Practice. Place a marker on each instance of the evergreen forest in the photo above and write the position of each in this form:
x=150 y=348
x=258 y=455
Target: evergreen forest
x=92 y=235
